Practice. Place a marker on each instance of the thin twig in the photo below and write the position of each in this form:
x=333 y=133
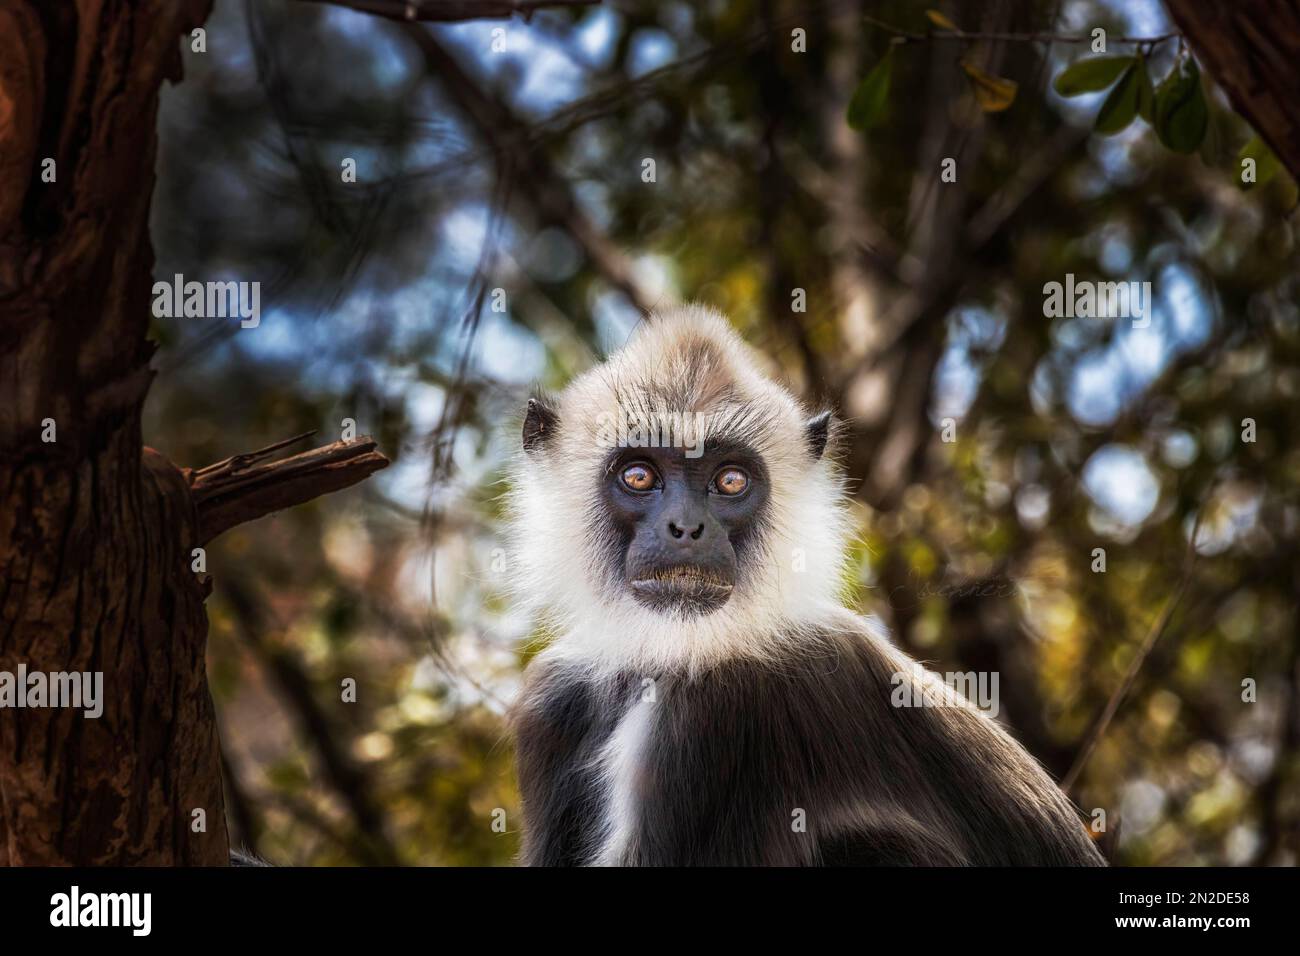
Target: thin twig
x=910 y=36
x=1135 y=666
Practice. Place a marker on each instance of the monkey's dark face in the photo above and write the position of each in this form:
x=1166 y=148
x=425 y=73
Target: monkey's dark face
x=683 y=525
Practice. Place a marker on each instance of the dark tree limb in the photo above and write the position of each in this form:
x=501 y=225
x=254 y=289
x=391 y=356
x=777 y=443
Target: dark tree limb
x=348 y=778
x=244 y=487
x=247 y=824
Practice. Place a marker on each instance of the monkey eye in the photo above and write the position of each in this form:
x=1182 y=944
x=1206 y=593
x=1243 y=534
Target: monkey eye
x=639 y=477
x=730 y=481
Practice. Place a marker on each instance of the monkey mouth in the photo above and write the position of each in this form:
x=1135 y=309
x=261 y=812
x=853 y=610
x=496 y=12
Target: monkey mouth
x=686 y=589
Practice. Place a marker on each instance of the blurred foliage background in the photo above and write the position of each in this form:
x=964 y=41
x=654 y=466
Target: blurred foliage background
x=513 y=160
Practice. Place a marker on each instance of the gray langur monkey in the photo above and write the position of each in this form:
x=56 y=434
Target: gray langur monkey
x=706 y=698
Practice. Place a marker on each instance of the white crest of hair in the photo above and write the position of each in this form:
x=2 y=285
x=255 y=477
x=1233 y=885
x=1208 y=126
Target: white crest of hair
x=618 y=764
x=554 y=500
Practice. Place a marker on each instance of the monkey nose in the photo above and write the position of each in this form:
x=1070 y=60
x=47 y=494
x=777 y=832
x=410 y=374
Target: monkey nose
x=678 y=532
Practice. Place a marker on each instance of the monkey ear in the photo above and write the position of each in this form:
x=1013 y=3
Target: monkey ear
x=817 y=430
x=539 y=424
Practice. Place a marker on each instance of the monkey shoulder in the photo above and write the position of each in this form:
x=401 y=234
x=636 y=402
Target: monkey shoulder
x=928 y=780
x=963 y=775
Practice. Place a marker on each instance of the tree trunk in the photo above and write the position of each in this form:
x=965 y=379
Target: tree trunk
x=94 y=537
x=1252 y=49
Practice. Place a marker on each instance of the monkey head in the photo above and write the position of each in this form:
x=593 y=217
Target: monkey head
x=676 y=484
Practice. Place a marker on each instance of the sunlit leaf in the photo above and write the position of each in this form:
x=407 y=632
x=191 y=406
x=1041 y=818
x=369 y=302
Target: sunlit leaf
x=1266 y=163
x=942 y=22
x=993 y=93
x=1091 y=75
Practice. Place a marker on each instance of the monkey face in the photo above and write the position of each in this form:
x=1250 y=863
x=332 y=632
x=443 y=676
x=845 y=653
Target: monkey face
x=674 y=503
x=682 y=524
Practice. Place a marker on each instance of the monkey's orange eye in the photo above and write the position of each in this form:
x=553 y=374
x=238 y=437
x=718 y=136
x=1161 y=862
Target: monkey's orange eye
x=638 y=477
x=731 y=482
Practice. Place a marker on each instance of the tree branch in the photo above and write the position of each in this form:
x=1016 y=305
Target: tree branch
x=1037 y=36
x=550 y=192
x=453 y=11
x=350 y=779
x=244 y=488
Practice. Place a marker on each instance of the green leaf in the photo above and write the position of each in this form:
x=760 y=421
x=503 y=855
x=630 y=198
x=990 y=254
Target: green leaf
x=1121 y=105
x=1090 y=75
x=1146 y=92
x=1181 y=114
x=867 y=105
x=992 y=93
x=1212 y=150
x=1266 y=164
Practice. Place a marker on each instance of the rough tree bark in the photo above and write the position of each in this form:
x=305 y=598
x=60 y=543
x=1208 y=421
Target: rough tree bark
x=96 y=535
x=1252 y=49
